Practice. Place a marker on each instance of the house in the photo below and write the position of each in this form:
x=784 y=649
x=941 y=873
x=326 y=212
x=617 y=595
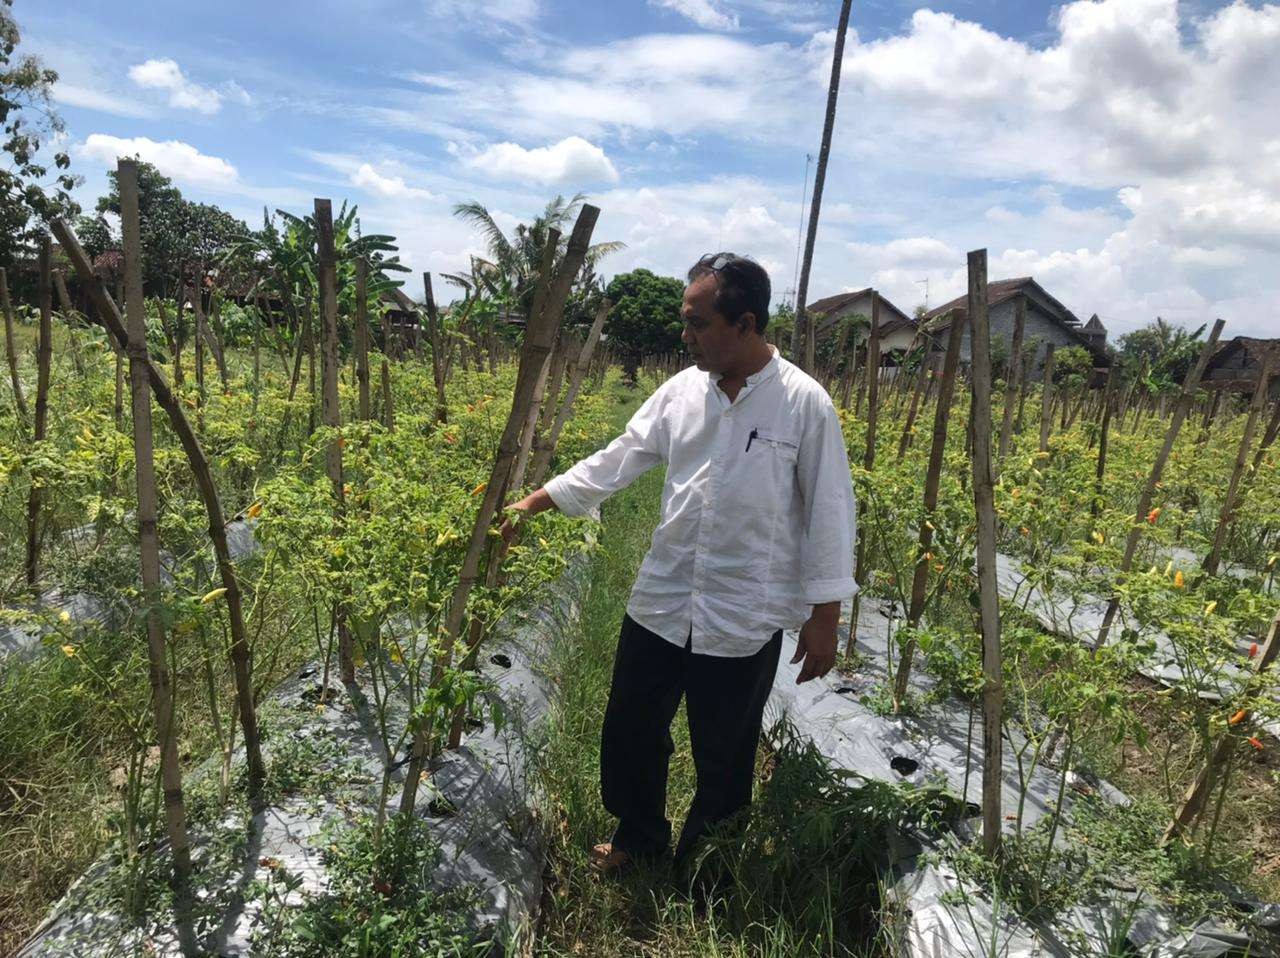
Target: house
x=1047 y=321
x=897 y=329
x=1236 y=366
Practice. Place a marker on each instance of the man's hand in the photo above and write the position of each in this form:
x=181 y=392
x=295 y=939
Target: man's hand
x=520 y=512
x=817 y=642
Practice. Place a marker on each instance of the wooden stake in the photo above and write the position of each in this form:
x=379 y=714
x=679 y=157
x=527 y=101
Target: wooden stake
x=1095 y=508
x=362 y=337
x=932 y=478
x=1013 y=384
x=1196 y=796
x=388 y=402
x=1229 y=500
x=109 y=313
x=988 y=596
x=161 y=691
x=1046 y=398
x=571 y=394
x=44 y=359
x=540 y=333
x=868 y=464
x=10 y=350
x=437 y=349
x=1180 y=411
x=331 y=408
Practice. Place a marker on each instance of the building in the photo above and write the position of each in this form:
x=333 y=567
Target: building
x=1047 y=321
x=897 y=329
x=1236 y=365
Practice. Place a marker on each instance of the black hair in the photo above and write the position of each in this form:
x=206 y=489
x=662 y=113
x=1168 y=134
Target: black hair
x=742 y=286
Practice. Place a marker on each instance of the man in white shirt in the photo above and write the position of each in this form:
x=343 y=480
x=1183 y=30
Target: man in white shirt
x=756 y=535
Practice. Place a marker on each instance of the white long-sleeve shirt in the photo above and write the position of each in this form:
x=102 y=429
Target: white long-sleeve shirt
x=750 y=538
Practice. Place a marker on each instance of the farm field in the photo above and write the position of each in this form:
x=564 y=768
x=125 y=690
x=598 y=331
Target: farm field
x=299 y=656
x=1143 y=712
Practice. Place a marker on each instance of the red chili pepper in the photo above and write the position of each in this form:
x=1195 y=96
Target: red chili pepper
x=1253 y=650
x=1253 y=740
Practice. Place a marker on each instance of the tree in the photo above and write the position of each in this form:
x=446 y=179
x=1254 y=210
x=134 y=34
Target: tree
x=511 y=270
x=29 y=194
x=177 y=234
x=646 y=315
x=1169 y=351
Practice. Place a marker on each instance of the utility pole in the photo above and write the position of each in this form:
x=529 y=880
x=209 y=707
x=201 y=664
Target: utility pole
x=833 y=92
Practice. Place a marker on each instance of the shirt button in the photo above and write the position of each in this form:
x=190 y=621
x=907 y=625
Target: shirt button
x=697 y=592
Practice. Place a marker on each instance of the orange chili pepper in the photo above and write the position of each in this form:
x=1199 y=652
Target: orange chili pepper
x=1153 y=515
x=1238 y=717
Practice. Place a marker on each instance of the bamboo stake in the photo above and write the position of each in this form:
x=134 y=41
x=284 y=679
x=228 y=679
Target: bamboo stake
x=1269 y=437
x=1046 y=398
x=917 y=392
x=571 y=394
x=805 y=361
x=144 y=463
x=1157 y=470
x=172 y=405
x=1104 y=430
x=1013 y=384
x=213 y=330
x=331 y=410
x=362 y=337
x=541 y=447
x=868 y=464
x=988 y=596
x=437 y=347
x=1229 y=501
x=544 y=319
x=44 y=358
x=197 y=305
x=920 y=579
x=1200 y=790
x=10 y=350
x=388 y=401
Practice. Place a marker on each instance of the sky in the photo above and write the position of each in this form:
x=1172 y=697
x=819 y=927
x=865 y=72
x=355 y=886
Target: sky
x=1125 y=153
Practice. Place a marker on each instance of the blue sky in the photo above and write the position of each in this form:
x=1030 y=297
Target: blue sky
x=1116 y=149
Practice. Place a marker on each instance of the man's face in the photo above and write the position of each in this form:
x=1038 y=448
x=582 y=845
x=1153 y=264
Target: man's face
x=713 y=342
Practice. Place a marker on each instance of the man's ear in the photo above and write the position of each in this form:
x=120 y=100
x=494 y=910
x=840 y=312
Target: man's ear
x=747 y=323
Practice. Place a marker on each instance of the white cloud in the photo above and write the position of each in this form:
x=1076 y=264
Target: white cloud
x=175 y=159
x=183 y=94
x=572 y=161
x=87 y=98
x=705 y=13
x=367 y=178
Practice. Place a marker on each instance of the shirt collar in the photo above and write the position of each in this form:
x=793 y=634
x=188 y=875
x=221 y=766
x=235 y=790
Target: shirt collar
x=770 y=369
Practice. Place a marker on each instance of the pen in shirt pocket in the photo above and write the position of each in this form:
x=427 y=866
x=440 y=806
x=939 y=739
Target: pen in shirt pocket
x=755 y=433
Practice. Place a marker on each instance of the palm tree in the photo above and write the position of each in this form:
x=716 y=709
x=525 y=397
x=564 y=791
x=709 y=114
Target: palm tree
x=513 y=262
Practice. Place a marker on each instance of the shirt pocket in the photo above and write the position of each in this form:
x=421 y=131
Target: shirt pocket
x=784 y=447
x=768 y=471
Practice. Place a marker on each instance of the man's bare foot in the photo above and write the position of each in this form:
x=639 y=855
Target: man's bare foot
x=606 y=860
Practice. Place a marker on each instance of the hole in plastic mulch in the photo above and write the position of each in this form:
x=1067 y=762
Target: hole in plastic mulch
x=846 y=690
x=903 y=765
x=501 y=660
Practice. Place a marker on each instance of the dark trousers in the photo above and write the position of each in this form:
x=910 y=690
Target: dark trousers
x=725 y=704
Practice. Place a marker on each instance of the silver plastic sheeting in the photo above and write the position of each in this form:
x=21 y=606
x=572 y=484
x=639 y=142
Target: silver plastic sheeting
x=86 y=610
x=1080 y=618
x=945 y=917
x=26 y=636
x=478 y=799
